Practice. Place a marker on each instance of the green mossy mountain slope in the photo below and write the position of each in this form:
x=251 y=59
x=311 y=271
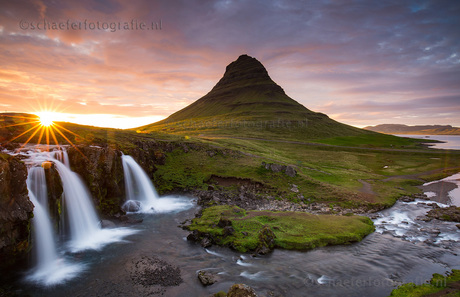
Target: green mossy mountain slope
x=247 y=102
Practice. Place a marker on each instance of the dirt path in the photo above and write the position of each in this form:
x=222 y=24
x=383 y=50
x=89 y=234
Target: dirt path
x=367 y=187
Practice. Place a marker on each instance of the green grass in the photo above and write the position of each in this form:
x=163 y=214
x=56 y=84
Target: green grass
x=375 y=141
x=293 y=230
x=437 y=283
x=326 y=173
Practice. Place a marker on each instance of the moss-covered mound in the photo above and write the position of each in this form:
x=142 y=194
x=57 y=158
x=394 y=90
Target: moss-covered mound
x=261 y=231
x=439 y=285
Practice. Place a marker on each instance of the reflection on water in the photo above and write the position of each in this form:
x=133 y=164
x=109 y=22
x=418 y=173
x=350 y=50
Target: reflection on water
x=449 y=141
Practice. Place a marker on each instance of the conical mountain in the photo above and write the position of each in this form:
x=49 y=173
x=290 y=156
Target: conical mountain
x=247 y=98
x=246 y=89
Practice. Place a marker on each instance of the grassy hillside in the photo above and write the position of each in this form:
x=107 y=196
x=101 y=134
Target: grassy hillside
x=246 y=102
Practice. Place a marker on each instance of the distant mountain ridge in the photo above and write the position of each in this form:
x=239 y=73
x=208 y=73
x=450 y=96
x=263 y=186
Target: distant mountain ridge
x=246 y=97
x=418 y=129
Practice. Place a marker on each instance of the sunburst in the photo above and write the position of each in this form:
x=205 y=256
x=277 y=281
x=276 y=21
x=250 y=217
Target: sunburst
x=44 y=126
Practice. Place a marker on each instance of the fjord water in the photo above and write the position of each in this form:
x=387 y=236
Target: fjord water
x=139 y=188
x=448 y=141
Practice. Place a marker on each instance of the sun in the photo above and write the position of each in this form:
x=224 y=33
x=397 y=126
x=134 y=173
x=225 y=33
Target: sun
x=46 y=118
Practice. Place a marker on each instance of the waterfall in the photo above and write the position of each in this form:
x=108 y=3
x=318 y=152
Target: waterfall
x=138 y=185
x=141 y=194
x=85 y=230
x=63 y=157
x=83 y=220
x=43 y=232
x=50 y=268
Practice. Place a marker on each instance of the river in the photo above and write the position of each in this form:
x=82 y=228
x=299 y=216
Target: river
x=372 y=267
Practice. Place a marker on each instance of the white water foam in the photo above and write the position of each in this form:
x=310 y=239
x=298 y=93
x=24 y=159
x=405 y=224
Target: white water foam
x=140 y=188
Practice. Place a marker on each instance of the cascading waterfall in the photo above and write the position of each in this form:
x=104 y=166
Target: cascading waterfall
x=50 y=268
x=85 y=230
x=141 y=194
x=63 y=157
x=83 y=220
x=138 y=185
x=43 y=232
x=84 y=223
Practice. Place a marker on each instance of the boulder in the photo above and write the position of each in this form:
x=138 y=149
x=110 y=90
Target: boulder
x=107 y=224
x=241 y=290
x=290 y=171
x=266 y=239
x=451 y=213
x=205 y=242
x=206 y=278
x=131 y=206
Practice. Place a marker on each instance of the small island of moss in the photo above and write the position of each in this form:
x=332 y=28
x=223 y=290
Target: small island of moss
x=262 y=231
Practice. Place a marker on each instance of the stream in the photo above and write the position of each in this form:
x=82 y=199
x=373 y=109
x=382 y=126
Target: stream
x=372 y=267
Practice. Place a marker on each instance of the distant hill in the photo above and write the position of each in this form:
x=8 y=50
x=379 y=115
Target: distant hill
x=246 y=101
x=404 y=129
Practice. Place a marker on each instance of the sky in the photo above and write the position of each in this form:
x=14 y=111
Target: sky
x=128 y=63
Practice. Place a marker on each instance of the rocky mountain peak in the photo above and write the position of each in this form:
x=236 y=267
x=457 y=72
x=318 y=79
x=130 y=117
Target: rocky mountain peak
x=243 y=72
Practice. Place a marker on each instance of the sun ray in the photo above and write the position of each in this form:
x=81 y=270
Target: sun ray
x=20 y=117
x=41 y=135
x=27 y=141
x=21 y=124
x=24 y=132
x=54 y=138
x=47 y=135
x=68 y=140
x=67 y=130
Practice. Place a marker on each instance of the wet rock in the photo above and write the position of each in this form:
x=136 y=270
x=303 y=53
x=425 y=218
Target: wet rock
x=206 y=278
x=424 y=218
x=131 y=206
x=102 y=171
x=458 y=226
x=15 y=210
x=266 y=239
x=451 y=213
x=206 y=242
x=241 y=290
x=193 y=236
x=107 y=224
x=130 y=220
x=407 y=198
x=152 y=271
